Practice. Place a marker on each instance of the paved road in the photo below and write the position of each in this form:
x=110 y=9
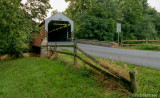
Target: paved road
x=137 y=57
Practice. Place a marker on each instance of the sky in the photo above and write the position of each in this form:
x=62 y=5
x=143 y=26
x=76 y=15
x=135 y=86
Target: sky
x=155 y=4
x=61 y=5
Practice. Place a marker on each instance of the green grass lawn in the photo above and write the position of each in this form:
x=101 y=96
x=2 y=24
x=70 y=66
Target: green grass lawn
x=43 y=78
x=148 y=79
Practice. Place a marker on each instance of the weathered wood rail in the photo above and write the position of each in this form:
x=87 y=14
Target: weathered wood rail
x=146 y=41
x=131 y=84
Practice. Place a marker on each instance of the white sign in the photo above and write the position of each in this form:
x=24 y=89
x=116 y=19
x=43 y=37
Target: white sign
x=118 y=27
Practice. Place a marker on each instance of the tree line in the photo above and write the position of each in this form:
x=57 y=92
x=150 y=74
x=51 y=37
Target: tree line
x=97 y=19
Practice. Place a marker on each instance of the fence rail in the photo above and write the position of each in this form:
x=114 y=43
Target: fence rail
x=140 y=41
x=128 y=84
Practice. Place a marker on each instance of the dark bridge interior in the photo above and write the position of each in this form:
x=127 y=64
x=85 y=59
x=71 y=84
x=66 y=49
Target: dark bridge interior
x=57 y=31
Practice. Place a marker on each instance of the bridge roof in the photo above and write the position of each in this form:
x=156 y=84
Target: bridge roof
x=58 y=17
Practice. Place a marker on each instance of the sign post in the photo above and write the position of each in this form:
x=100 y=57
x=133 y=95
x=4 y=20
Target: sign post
x=118 y=30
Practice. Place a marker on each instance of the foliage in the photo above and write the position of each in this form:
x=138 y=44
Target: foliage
x=54 y=12
x=96 y=19
x=36 y=9
x=16 y=24
x=131 y=11
x=92 y=27
x=148 y=47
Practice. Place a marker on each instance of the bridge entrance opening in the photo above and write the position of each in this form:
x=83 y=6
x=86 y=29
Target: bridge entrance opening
x=59 y=31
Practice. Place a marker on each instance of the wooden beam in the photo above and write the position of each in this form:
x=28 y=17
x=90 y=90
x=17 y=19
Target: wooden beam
x=126 y=84
x=133 y=78
x=66 y=53
x=130 y=44
x=61 y=45
x=104 y=66
x=140 y=40
x=75 y=53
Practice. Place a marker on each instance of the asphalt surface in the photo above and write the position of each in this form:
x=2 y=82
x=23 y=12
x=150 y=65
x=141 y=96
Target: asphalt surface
x=136 y=57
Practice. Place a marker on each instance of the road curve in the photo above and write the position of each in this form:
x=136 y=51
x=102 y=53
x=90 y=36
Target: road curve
x=136 y=57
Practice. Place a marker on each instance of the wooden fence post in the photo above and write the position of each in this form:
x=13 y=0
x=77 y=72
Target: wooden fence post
x=146 y=40
x=133 y=79
x=56 y=50
x=75 y=52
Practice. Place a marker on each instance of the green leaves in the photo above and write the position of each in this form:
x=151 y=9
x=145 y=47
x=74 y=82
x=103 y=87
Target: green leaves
x=36 y=9
x=16 y=24
x=131 y=10
x=96 y=19
x=93 y=19
x=92 y=27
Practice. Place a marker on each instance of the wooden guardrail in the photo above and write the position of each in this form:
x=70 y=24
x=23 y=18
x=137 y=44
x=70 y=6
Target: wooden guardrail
x=131 y=84
x=146 y=41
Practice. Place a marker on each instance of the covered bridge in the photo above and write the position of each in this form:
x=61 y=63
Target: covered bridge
x=58 y=28
x=55 y=28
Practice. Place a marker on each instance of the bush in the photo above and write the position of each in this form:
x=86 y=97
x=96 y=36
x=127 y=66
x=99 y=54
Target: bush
x=148 y=47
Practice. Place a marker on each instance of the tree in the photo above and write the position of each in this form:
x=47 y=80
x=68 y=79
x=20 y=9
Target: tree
x=16 y=24
x=96 y=19
x=36 y=9
x=91 y=19
x=54 y=12
x=91 y=27
x=131 y=11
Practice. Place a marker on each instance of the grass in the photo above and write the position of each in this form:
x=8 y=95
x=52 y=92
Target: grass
x=39 y=77
x=150 y=47
x=42 y=78
x=147 y=47
x=148 y=79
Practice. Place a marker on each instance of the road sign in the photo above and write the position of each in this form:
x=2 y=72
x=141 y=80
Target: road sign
x=118 y=27
x=118 y=30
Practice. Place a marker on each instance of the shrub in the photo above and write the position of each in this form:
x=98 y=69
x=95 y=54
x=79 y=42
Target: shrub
x=148 y=47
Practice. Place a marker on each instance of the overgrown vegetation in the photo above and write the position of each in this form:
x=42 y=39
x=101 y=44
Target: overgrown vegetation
x=147 y=47
x=96 y=19
x=147 y=78
x=151 y=47
x=16 y=23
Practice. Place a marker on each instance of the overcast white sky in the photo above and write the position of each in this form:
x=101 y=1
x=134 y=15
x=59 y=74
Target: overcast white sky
x=61 y=5
x=155 y=4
